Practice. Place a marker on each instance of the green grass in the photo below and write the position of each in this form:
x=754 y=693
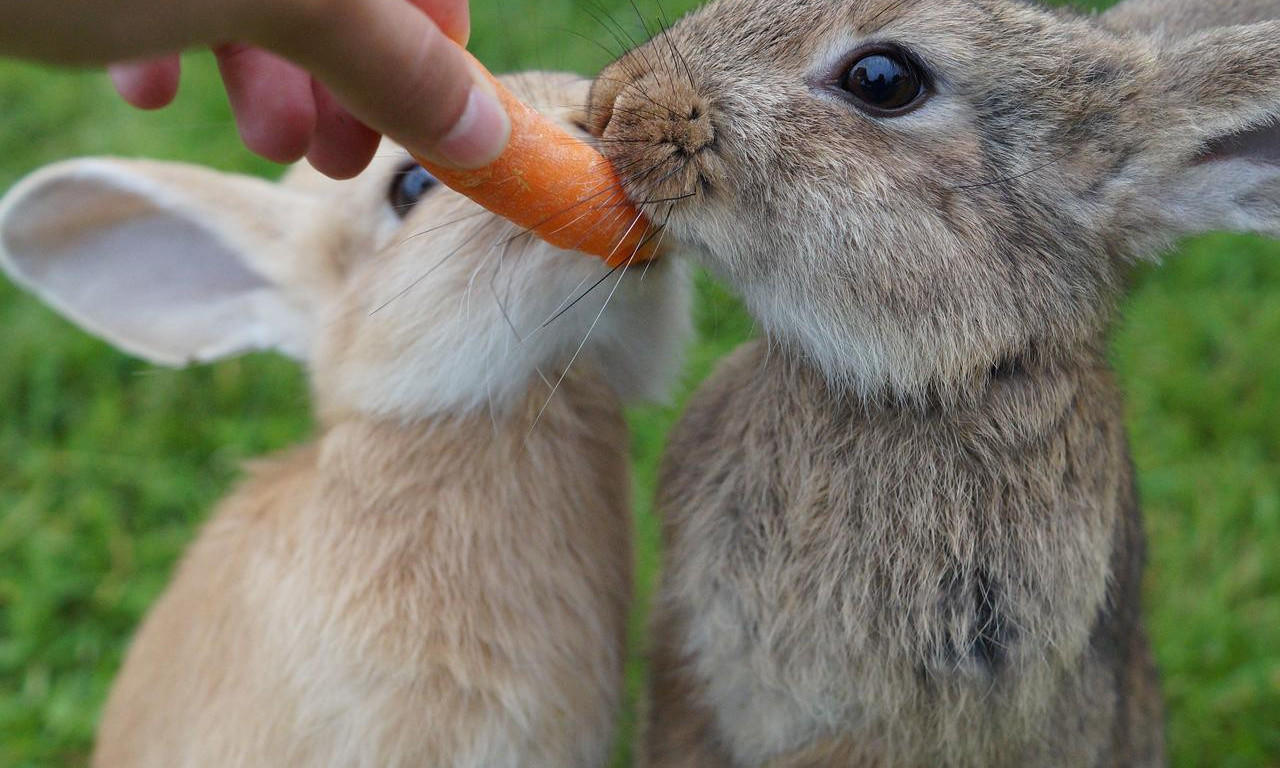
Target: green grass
x=107 y=466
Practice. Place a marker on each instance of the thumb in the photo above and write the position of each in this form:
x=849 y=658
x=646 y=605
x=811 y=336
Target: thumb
x=389 y=64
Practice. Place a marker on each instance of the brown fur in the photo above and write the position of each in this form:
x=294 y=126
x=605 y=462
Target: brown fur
x=902 y=532
x=1184 y=18
x=959 y=584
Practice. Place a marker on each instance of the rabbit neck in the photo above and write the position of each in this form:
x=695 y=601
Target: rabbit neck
x=550 y=441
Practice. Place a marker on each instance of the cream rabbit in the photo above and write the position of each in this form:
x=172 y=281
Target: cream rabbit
x=441 y=578
x=904 y=533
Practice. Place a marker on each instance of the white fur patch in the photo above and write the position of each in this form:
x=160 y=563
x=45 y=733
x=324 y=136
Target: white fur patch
x=464 y=319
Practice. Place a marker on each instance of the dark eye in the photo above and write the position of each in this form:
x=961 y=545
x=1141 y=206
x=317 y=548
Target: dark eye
x=408 y=186
x=885 y=82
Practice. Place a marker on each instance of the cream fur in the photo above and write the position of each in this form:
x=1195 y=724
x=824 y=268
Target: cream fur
x=442 y=577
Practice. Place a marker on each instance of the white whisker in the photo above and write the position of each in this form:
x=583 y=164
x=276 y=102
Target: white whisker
x=595 y=321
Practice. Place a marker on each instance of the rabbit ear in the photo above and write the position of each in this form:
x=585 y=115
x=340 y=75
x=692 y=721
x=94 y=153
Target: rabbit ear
x=1222 y=135
x=172 y=263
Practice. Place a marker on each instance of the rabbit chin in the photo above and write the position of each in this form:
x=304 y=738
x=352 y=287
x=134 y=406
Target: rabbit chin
x=480 y=337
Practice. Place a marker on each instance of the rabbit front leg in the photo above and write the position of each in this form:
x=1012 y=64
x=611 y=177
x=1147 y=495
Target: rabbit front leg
x=681 y=728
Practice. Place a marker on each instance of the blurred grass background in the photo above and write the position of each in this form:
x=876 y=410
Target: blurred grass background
x=108 y=466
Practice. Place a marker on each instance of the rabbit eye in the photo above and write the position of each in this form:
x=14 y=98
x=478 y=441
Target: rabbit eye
x=408 y=186
x=884 y=82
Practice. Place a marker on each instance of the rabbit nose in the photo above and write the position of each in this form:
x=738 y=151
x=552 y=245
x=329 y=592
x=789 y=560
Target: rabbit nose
x=658 y=130
x=689 y=133
x=656 y=109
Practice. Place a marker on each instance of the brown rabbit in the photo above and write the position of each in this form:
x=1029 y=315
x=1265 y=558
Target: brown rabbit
x=442 y=577
x=903 y=531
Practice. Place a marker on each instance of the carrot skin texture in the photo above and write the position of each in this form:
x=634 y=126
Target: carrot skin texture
x=556 y=185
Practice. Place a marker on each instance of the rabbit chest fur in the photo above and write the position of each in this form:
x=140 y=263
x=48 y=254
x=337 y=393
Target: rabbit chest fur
x=923 y=587
x=359 y=603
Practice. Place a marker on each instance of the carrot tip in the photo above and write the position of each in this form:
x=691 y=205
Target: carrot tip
x=557 y=186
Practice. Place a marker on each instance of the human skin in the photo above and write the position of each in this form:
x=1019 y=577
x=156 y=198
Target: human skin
x=314 y=78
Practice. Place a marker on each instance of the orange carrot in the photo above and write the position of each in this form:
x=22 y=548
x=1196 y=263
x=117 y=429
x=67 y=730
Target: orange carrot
x=556 y=185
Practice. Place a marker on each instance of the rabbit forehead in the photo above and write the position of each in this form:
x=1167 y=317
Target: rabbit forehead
x=790 y=31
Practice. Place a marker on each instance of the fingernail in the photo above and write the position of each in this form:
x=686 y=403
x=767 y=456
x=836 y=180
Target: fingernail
x=480 y=134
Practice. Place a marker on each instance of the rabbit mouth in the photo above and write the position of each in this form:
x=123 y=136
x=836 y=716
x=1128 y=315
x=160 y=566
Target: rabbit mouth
x=661 y=135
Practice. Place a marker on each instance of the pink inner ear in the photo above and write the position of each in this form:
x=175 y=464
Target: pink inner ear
x=1261 y=145
x=159 y=283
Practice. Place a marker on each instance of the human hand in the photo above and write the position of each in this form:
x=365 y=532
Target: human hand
x=320 y=78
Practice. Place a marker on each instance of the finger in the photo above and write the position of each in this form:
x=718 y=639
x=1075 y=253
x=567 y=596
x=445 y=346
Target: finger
x=342 y=145
x=394 y=69
x=148 y=84
x=271 y=99
x=453 y=17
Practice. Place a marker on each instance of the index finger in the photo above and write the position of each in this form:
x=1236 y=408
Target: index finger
x=391 y=66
